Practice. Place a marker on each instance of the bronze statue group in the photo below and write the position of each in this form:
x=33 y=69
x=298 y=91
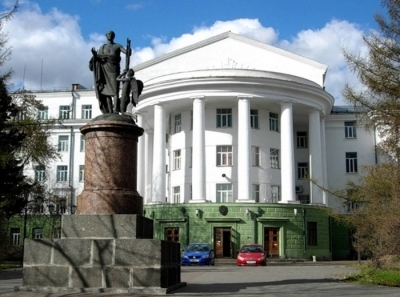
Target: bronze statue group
x=105 y=65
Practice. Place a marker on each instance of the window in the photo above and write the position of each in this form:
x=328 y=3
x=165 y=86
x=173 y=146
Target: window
x=274 y=158
x=62 y=173
x=81 y=173
x=273 y=122
x=43 y=113
x=304 y=198
x=302 y=141
x=15 y=236
x=255 y=156
x=350 y=130
x=64 y=112
x=177 y=124
x=177 y=160
x=172 y=234
x=351 y=162
x=254 y=118
x=177 y=194
x=63 y=143
x=83 y=143
x=256 y=192
x=191 y=120
x=312 y=233
x=275 y=194
x=86 y=112
x=224 y=118
x=302 y=170
x=37 y=233
x=224 y=193
x=40 y=173
x=224 y=156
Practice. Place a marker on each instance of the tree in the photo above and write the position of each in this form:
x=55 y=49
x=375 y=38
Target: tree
x=376 y=221
x=24 y=138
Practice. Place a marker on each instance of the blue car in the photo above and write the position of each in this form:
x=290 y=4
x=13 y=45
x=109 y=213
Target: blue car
x=198 y=253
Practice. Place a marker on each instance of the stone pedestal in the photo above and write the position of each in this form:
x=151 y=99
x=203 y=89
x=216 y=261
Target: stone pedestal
x=107 y=246
x=110 y=167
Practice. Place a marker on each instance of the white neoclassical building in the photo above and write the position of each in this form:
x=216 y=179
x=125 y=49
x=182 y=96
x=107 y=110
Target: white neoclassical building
x=236 y=133
x=228 y=119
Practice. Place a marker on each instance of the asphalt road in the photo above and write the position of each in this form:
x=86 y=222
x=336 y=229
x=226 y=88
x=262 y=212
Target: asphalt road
x=276 y=280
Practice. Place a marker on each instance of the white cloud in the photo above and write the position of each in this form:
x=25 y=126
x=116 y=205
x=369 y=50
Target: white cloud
x=326 y=46
x=54 y=39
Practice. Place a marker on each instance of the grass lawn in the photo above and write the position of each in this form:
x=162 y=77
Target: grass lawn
x=9 y=264
x=374 y=276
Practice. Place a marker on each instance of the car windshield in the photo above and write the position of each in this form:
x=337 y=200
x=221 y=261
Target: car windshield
x=198 y=248
x=251 y=249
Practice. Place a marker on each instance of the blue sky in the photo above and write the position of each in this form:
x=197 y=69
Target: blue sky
x=51 y=39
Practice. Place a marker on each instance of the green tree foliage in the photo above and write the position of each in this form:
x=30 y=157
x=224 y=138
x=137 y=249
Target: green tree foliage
x=24 y=139
x=376 y=220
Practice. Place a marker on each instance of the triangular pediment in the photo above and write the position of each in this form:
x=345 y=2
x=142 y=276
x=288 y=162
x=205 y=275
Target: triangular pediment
x=232 y=51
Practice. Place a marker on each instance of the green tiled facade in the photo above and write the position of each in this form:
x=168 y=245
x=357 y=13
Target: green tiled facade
x=200 y=222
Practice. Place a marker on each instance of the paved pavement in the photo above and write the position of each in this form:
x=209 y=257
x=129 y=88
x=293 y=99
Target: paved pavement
x=278 y=279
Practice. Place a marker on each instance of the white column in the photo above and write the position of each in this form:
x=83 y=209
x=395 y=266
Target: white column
x=158 y=183
x=140 y=160
x=148 y=159
x=287 y=154
x=324 y=168
x=315 y=157
x=198 y=152
x=244 y=151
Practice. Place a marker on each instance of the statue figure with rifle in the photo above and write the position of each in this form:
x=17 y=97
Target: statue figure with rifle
x=105 y=65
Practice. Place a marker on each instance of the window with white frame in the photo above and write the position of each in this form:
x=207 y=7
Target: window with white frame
x=62 y=173
x=86 y=112
x=63 y=141
x=303 y=198
x=255 y=156
x=81 y=173
x=274 y=158
x=254 y=118
x=15 y=236
x=177 y=123
x=177 y=160
x=302 y=170
x=224 y=155
x=40 y=173
x=351 y=162
x=224 y=193
x=256 y=192
x=224 y=117
x=302 y=140
x=275 y=194
x=273 y=122
x=82 y=143
x=37 y=233
x=43 y=113
x=64 y=112
x=177 y=194
x=350 y=129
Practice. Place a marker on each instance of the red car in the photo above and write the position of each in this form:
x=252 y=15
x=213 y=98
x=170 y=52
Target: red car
x=252 y=254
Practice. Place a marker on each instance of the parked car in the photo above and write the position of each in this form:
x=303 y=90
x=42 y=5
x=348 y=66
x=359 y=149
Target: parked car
x=198 y=253
x=252 y=254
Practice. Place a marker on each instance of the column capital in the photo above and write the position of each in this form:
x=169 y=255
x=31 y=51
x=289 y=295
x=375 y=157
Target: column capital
x=197 y=97
x=241 y=97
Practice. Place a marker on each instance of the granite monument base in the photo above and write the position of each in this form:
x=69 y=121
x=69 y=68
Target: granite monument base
x=102 y=253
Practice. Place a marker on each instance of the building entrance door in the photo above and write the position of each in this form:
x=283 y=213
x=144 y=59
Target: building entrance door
x=271 y=241
x=222 y=242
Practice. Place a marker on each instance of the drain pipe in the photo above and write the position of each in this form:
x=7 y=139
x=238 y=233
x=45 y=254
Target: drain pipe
x=304 y=231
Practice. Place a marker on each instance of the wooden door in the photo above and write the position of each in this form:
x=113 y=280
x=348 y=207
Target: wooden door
x=222 y=242
x=271 y=241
